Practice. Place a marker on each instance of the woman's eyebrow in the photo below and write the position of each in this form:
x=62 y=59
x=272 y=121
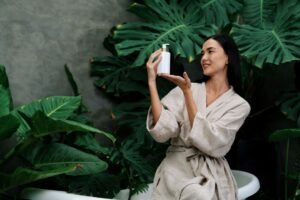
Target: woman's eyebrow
x=209 y=48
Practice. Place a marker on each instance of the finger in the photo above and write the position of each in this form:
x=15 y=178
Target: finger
x=157 y=61
x=155 y=54
x=187 y=79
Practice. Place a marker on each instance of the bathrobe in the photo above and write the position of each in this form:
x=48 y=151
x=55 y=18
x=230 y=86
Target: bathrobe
x=194 y=167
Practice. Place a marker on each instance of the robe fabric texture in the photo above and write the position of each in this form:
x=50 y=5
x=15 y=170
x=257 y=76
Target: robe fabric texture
x=194 y=167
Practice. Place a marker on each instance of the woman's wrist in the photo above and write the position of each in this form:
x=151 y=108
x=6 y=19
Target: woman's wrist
x=152 y=82
x=187 y=91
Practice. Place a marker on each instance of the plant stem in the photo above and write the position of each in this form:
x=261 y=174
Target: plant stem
x=286 y=167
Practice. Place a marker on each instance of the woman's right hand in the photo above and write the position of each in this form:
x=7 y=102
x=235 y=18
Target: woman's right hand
x=152 y=65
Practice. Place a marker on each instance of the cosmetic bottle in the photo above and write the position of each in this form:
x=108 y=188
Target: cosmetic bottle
x=164 y=65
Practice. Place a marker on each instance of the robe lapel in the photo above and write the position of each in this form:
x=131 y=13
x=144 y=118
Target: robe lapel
x=219 y=101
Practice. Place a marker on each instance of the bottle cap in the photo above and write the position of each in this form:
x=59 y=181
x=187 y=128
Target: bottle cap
x=164 y=47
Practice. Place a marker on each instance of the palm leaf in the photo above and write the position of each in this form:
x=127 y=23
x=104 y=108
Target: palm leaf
x=136 y=161
x=88 y=141
x=23 y=176
x=116 y=76
x=55 y=155
x=5 y=95
x=184 y=33
x=276 y=43
x=102 y=185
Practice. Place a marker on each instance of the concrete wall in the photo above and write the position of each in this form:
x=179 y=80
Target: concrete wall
x=37 y=37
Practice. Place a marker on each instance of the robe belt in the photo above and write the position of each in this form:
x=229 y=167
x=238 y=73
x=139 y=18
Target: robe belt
x=190 y=152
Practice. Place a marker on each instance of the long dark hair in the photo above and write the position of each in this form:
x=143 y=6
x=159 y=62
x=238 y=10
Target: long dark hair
x=234 y=69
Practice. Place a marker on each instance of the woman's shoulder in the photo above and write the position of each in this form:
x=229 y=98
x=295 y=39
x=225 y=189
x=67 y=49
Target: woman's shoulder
x=241 y=102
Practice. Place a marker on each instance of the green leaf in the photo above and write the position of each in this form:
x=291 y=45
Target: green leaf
x=9 y=125
x=276 y=43
x=23 y=176
x=5 y=95
x=71 y=81
x=101 y=185
x=218 y=11
x=284 y=134
x=42 y=125
x=88 y=141
x=294 y=175
x=290 y=105
x=54 y=156
x=60 y=107
x=171 y=24
x=137 y=162
x=259 y=13
x=117 y=77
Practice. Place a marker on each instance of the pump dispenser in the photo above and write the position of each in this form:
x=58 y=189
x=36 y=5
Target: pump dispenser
x=164 y=65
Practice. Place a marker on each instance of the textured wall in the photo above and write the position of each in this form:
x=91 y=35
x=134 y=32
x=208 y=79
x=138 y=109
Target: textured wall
x=37 y=37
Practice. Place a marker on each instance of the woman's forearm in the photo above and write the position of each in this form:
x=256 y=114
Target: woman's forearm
x=155 y=101
x=190 y=105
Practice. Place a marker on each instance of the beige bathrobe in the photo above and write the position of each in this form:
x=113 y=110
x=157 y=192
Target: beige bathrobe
x=194 y=167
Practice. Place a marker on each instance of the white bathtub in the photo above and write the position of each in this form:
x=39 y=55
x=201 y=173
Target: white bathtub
x=247 y=183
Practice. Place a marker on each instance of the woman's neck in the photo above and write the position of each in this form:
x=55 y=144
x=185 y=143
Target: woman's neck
x=217 y=85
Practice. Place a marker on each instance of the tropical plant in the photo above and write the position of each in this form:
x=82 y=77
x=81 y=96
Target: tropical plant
x=291 y=169
x=290 y=106
x=266 y=32
x=45 y=131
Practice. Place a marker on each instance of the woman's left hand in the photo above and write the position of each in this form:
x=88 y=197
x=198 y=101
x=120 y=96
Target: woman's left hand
x=184 y=83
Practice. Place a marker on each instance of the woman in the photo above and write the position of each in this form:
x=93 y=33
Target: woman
x=201 y=120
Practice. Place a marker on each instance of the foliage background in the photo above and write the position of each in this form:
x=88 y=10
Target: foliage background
x=266 y=33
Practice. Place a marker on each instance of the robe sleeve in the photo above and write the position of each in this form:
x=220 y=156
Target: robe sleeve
x=167 y=125
x=216 y=138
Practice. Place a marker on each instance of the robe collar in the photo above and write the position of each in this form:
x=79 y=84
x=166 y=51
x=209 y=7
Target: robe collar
x=216 y=103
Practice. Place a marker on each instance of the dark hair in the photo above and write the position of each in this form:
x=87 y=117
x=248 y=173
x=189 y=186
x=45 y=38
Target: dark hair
x=233 y=71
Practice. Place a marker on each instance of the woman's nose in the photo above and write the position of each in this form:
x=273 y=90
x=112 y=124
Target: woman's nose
x=203 y=58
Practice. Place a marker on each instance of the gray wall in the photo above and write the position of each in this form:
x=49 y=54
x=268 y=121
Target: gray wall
x=37 y=37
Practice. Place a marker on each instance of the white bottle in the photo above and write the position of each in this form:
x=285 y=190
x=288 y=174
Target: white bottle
x=164 y=64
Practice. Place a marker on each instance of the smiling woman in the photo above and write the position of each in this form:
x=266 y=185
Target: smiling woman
x=201 y=120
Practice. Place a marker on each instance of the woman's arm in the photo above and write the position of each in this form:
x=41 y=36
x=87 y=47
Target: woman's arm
x=185 y=85
x=152 y=64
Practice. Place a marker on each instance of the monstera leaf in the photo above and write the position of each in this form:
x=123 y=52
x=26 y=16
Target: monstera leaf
x=259 y=13
x=166 y=23
x=273 y=42
x=218 y=11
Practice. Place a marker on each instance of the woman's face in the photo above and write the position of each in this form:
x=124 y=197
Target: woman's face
x=214 y=59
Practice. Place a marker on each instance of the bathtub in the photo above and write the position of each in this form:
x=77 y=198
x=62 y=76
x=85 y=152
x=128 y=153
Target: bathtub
x=248 y=185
